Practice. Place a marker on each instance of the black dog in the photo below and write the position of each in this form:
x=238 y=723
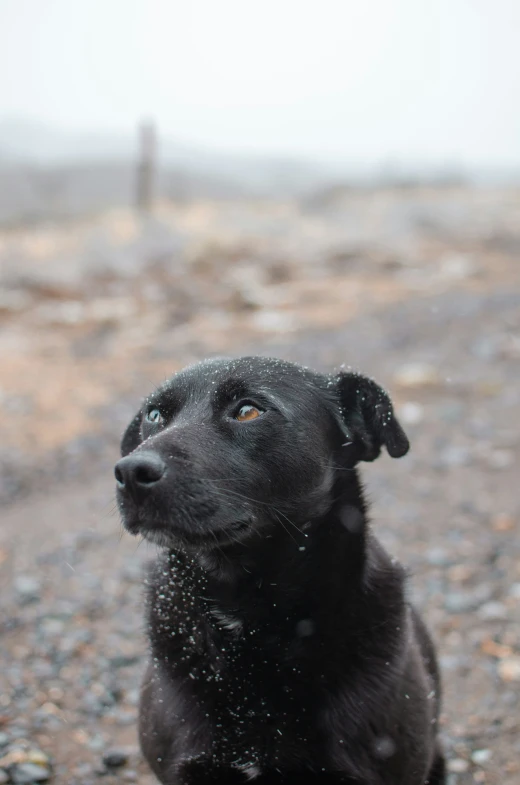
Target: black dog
x=283 y=649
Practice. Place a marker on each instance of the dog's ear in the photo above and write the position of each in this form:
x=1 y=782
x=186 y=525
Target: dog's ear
x=132 y=436
x=368 y=418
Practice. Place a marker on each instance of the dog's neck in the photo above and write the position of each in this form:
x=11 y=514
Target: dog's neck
x=293 y=564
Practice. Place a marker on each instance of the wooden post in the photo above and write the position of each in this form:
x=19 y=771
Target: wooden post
x=146 y=167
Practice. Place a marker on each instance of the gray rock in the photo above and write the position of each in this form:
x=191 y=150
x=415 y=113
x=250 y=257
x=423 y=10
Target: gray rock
x=115 y=758
x=29 y=773
x=27 y=588
x=492 y=611
x=454 y=455
x=462 y=602
x=438 y=557
x=4 y=776
x=458 y=765
x=481 y=756
x=4 y=739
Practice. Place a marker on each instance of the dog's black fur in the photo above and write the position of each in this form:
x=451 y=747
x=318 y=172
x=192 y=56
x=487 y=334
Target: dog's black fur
x=283 y=648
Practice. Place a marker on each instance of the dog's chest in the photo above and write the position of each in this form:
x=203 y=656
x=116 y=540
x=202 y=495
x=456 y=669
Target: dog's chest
x=246 y=680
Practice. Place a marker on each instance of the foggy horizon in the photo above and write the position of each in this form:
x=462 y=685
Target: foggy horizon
x=402 y=83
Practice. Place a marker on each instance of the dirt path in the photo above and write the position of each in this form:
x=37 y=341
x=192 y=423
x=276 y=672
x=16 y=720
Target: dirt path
x=72 y=642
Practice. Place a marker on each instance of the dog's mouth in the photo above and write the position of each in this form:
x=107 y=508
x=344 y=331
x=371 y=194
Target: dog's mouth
x=168 y=535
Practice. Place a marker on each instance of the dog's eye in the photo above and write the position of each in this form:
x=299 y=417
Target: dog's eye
x=247 y=412
x=154 y=415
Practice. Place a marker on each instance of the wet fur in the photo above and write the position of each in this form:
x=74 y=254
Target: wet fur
x=282 y=646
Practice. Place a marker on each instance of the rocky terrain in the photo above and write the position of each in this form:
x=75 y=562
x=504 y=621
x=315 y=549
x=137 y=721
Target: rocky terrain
x=418 y=287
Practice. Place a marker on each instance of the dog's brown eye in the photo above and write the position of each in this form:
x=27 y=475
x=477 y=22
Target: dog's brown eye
x=247 y=412
x=154 y=415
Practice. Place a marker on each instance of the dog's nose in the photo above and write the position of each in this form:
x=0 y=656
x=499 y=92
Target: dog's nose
x=139 y=471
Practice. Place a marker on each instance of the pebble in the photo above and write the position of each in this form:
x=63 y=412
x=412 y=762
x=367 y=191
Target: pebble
x=462 y=602
x=416 y=376
x=456 y=267
x=29 y=773
x=438 y=557
x=481 y=756
x=514 y=591
x=4 y=777
x=113 y=759
x=457 y=765
x=38 y=757
x=452 y=456
x=411 y=413
x=501 y=459
x=27 y=588
x=4 y=738
x=509 y=668
x=492 y=611
x=503 y=522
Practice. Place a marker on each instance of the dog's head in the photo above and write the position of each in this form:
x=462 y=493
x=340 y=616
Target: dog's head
x=227 y=448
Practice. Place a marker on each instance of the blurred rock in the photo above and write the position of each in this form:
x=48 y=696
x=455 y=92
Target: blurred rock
x=114 y=759
x=27 y=588
x=456 y=267
x=29 y=773
x=463 y=602
x=410 y=413
x=501 y=459
x=457 y=765
x=416 y=376
x=480 y=757
x=509 y=668
x=453 y=455
x=492 y=611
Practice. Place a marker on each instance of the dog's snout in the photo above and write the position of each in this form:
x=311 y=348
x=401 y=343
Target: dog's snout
x=140 y=471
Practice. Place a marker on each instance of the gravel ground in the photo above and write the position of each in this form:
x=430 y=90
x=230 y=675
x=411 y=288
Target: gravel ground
x=441 y=332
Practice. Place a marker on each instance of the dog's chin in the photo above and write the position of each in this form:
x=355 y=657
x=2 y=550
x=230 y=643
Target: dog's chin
x=173 y=536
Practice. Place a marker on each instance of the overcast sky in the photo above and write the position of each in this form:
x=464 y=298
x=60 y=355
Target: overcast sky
x=355 y=80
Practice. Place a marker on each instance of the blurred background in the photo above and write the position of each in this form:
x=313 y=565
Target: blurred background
x=330 y=182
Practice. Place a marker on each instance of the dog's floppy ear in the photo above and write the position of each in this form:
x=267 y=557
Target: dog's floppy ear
x=132 y=436
x=368 y=417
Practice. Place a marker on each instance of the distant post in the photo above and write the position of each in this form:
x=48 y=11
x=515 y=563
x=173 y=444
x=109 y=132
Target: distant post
x=146 y=166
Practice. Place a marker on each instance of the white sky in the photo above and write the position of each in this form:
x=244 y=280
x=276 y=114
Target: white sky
x=356 y=80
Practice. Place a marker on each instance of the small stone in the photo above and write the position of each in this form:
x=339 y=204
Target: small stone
x=509 y=668
x=114 y=759
x=27 y=588
x=438 y=557
x=492 y=611
x=29 y=773
x=273 y=321
x=124 y=661
x=462 y=602
x=411 y=413
x=4 y=777
x=4 y=738
x=82 y=770
x=456 y=267
x=458 y=765
x=481 y=756
x=514 y=591
x=454 y=455
x=130 y=776
x=501 y=459
x=416 y=376
x=503 y=522
x=96 y=743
